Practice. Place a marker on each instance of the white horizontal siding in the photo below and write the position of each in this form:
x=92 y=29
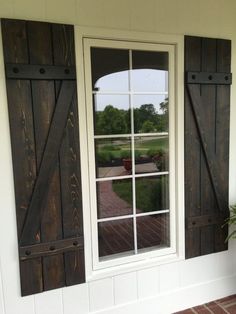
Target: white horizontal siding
x=150 y=290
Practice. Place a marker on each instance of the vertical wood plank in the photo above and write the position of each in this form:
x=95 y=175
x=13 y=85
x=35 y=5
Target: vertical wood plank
x=222 y=135
x=192 y=153
x=43 y=93
x=208 y=95
x=70 y=162
x=23 y=147
x=14 y=36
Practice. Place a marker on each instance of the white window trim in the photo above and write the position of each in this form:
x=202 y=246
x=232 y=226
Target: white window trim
x=146 y=259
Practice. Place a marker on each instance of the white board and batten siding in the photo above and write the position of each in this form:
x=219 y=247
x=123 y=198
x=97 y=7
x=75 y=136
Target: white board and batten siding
x=157 y=289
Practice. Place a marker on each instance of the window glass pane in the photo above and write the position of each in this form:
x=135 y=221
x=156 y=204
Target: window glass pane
x=150 y=71
x=111 y=114
x=115 y=237
x=114 y=198
x=153 y=231
x=150 y=113
x=152 y=194
x=151 y=154
x=113 y=157
x=110 y=69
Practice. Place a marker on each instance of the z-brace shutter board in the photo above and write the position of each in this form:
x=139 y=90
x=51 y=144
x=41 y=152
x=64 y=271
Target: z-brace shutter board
x=207 y=103
x=41 y=89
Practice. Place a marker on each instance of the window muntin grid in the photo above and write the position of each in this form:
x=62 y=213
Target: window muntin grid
x=151 y=252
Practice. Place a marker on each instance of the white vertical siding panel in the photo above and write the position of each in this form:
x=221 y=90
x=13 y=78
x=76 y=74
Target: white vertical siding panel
x=166 y=16
x=91 y=13
x=169 y=277
x=125 y=288
x=49 y=302
x=121 y=18
x=143 y=16
x=206 y=268
x=6 y=8
x=2 y=308
x=29 y=9
x=14 y=303
x=101 y=294
x=148 y=282
x=62 y=11
x=76 y=299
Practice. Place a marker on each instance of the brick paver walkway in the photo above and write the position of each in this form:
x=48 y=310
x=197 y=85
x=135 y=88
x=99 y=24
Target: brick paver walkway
x=109 y=203
x=225 y=305
x=118 y=236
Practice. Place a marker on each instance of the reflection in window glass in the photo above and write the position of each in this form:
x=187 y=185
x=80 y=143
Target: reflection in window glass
x=113 y=157
x=150 y=113
x=111 y=114
x=115 y=237
x=110 y=69
x=150 y=71
x=114 y=198
x=152 y=194
x=153 y=231
x=130 y=90
x=151 y=154
x=149 y=80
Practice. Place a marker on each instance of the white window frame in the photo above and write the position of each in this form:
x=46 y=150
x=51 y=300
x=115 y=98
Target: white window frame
x=130 y=40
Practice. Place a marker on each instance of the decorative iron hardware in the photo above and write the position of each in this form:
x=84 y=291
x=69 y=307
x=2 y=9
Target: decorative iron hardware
x=208 y=78
x=50 y=248
x=39 y=72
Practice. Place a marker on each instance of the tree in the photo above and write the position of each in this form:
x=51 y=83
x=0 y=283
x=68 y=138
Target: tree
x=111 y=121
x=147 y=127
x=164 y=117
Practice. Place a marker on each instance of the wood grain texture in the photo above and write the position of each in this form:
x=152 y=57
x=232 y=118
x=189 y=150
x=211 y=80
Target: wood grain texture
x=44 y=103
x=193 y=155
x=69 y=164
x=15 y=49
x=48 y=163
x=46 y=154
x=209 y=177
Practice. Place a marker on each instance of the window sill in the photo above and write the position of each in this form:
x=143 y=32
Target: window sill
x=132 y=266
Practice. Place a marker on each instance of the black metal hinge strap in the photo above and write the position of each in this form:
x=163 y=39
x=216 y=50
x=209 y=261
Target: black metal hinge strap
x=49 y=159
x=196 y=103
x=50 y=248
x=216 y=78
x=39 y=72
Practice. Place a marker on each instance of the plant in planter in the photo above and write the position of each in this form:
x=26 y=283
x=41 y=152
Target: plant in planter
x=104 y=158
x=126 y=159
x=160 y=160
x=231 y=221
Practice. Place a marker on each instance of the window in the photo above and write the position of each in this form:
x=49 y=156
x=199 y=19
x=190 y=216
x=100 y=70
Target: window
x=130 y=112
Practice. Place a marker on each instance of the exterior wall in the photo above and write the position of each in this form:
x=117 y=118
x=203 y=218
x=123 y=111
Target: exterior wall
x=162 y=289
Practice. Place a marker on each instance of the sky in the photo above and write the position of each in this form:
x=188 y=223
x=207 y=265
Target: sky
x=142 y=80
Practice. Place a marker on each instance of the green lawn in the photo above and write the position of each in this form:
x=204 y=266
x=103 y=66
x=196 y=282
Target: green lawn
x=117 y=149
x=151 y=193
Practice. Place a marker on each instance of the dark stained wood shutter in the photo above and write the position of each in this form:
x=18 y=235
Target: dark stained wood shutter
x=207 y=109
x=41 y=90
